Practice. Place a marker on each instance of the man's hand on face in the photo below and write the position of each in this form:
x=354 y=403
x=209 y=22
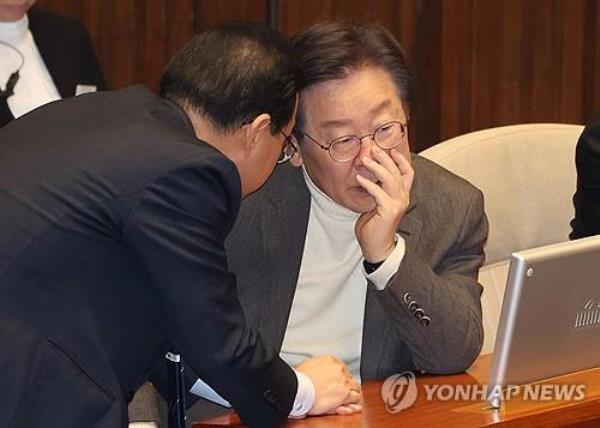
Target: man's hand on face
x=336 y=391
x=376 y=230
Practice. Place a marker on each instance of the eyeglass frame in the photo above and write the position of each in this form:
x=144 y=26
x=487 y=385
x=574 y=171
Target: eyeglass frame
x=288 y=146
x=403 y=129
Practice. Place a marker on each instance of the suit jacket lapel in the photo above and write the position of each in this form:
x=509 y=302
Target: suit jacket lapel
x=410 y=226
x=52 y=53
x=5 y=113
x=284 y=222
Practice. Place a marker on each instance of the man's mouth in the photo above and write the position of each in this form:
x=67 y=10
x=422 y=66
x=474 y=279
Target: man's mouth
x=363 y=190
x=374 y=181
x=368 y=175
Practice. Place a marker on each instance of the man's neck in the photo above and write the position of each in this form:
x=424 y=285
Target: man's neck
x=227 y=143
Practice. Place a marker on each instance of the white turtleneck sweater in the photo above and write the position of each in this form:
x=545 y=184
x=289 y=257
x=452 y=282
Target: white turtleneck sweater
x=35 y=86
x=328 y=309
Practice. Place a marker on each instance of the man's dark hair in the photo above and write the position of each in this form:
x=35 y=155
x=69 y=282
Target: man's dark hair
x=234 y=72
x=331 y=50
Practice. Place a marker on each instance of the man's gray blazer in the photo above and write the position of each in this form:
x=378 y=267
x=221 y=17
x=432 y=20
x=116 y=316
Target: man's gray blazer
x=445 y=229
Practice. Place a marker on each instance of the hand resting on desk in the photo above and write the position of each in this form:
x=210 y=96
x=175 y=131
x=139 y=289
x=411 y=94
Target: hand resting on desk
x=336 y=391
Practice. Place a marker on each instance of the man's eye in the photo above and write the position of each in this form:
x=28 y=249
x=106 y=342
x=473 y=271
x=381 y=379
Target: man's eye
x=344 y=140
x=386 y=129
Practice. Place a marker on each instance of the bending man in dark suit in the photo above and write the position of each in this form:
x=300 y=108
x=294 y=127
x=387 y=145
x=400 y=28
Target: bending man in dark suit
x=587 y=196
x=58 y=59
x=114 y=211
x=366 y=252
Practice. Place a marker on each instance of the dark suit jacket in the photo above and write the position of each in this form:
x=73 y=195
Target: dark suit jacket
x=67 y=51
x=111 y=247
x=445 y=229
x=587 y=197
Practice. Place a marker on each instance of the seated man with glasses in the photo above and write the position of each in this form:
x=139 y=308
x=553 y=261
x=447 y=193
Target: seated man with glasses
x=362 y=251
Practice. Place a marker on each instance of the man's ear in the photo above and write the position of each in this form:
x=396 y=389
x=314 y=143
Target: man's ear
x=255 y=131
x=296 y=160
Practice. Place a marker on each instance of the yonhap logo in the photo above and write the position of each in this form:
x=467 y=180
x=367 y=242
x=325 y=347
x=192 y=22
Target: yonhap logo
x=589 y=316
x=399 y=392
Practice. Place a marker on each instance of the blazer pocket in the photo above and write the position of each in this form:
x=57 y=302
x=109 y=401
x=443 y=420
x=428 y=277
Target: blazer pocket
x=65 y=395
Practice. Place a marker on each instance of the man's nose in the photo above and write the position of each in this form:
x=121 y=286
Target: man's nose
x=366 y=149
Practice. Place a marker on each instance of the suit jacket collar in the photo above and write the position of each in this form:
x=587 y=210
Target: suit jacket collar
x=410 y=226
x=52 y=51
x=284 y=222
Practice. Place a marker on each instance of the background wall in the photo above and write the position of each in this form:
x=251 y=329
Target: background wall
x=479 y=63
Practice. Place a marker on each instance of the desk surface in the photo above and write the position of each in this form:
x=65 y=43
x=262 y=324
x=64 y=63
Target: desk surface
x=516 y=412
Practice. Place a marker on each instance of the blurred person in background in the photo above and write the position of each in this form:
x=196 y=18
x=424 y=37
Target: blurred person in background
x=43 y=57
x=587 y=197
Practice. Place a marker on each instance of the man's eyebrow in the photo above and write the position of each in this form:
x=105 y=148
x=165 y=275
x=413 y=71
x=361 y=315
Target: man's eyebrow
x=343 y=122
x=335 y=123
x=382 y=105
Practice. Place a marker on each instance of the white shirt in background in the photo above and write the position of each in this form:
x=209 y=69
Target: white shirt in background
x=35 y=86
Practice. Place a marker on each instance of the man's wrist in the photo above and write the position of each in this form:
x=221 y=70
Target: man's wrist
x=388 y=268
x=371 y=267
x=305 y=396
x=379 y=260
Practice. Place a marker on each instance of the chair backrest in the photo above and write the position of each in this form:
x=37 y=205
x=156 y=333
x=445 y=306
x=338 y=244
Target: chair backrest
x=527 y=176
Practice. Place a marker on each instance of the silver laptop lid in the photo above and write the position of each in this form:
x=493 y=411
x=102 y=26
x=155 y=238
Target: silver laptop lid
x=550 y=319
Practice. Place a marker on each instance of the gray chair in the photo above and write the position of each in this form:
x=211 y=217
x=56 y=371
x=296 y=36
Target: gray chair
x=527 y=175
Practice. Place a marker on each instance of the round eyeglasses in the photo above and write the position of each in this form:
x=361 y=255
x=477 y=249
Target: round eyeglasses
x=346 y=148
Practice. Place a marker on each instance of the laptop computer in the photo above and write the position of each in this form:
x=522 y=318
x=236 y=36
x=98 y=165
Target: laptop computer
x=550 y=318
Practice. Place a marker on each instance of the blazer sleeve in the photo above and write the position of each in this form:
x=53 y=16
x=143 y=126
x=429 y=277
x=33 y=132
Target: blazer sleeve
x=437 y=306
x=587 y=196
x=177 y=227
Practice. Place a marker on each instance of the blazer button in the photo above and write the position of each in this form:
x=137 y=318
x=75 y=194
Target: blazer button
x=425 y=320
x=407 y=298
x=419 y=313
x=413 y=306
